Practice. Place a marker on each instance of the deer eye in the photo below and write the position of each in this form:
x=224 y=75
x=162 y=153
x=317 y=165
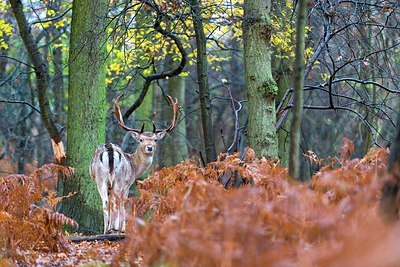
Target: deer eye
x=140 y=140
x=156 y=140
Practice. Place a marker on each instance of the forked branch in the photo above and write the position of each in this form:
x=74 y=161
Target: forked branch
x=158 y=76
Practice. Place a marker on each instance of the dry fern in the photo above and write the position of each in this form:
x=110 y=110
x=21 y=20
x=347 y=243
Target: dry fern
x=24 y=222
x=184 y=217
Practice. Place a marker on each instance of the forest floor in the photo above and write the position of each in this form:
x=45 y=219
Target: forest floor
x=93 y=253
x=185 y=217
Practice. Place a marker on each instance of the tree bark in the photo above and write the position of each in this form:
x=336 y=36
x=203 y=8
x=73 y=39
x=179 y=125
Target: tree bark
x=298 y=84
x=260 y=85
x=202 y=77
x=86 y=110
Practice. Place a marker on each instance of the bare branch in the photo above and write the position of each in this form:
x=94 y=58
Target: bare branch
x=41 y=69
x=20 y=102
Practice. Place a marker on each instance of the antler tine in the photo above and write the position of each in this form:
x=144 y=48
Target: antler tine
x=154 y=128
x=118 y=114
x=175 y=107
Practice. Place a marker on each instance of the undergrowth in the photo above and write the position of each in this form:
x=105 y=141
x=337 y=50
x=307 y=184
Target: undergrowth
x=28 y=220
x=185 y=217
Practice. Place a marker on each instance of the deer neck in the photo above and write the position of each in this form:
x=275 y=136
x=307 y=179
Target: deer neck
x=141 y=162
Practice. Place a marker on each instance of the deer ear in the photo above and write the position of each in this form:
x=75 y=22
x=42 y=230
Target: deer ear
x=135 y=135
x=160 y=135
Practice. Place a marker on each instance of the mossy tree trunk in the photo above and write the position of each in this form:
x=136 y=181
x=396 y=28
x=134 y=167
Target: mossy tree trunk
x=260 y=85
x=86 y=110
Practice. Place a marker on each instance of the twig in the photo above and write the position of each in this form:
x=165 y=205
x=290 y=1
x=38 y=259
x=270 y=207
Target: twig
x=109 y=237
x=13 y=101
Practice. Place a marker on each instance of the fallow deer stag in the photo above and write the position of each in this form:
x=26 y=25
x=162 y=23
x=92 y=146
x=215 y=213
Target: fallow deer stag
x=114 y=171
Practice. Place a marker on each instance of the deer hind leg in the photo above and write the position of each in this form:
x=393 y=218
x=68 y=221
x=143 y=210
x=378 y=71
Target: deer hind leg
x=113 y=212
x=124 y=203
x=118 y=211
x=120 y=222
x=103 y=191
x=122 y=225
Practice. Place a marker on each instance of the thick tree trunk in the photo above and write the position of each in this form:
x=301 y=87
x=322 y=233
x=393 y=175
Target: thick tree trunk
x=202 y=77
x=298 y=83
x=86 y=110
x=260 y=85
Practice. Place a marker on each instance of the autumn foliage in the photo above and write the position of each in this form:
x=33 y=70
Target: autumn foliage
x=28 y=220
x=185 y=217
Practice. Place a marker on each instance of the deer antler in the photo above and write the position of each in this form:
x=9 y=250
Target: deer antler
x=120 y=120
x=118 y=114
x=175 y=107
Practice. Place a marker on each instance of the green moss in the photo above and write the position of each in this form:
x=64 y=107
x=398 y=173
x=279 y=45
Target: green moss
x=269 y=88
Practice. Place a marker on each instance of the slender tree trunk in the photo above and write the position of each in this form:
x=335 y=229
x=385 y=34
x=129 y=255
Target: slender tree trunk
x=195 y=142
x=202 y=77
x=173 y=148
x=86 y=110
x=58 y=84
x=260 y=85
x=298 y=83
x=285 y=76
x=21 y=146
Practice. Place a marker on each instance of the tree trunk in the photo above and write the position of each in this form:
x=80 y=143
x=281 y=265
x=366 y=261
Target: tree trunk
x=260 y=85
x=284 y=72
x=173 y=148
x=86 y=110
x=389 y=205
x=58 y=83
x=298 y=84
x=202 y=77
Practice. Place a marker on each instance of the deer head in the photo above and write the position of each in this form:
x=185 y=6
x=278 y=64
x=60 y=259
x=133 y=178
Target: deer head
x=147 y=140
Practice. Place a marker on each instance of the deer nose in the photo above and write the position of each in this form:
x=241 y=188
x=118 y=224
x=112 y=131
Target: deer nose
x=149 y=148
